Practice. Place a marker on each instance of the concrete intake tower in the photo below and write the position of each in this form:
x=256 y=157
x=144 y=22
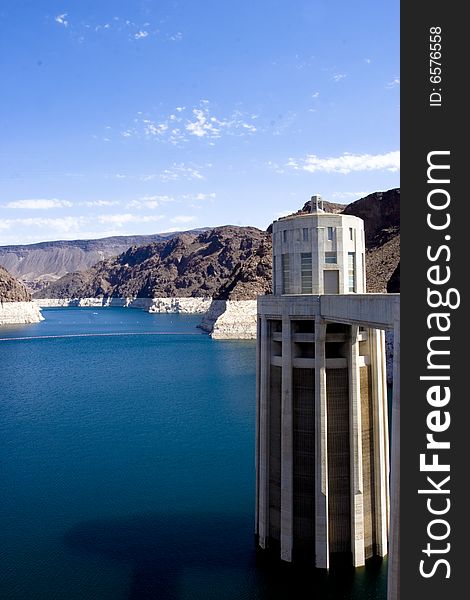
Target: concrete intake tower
x=322 y=466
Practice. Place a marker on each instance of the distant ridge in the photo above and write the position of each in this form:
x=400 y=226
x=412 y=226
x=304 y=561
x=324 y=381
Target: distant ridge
x=38 y=264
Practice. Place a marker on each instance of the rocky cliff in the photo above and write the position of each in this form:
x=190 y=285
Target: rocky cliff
x=11 y=290
x=36 y=265
x=15 y=302
x=225 y=262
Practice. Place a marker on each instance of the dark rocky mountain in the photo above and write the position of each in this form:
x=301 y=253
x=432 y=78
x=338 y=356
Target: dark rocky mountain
x=11 y=290
x=223 y=262
x=39 y=264
x=229 y=262
x=251 y=277
x=381 y=214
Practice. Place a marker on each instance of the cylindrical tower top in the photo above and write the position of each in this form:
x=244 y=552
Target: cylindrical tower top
x=319 y=253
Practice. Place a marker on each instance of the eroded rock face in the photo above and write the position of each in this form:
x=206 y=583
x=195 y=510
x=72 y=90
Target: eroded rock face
x=16 y=306
x=11 y=290
x=224 y=261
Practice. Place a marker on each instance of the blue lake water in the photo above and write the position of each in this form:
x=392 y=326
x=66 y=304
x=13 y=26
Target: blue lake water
x=127 y=466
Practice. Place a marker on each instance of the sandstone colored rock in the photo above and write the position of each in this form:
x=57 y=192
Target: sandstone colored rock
x=16 y=306
x=19 y=313
x=11 y=290
x=237 y=322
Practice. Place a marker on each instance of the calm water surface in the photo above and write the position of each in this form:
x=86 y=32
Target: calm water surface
x=127 y=466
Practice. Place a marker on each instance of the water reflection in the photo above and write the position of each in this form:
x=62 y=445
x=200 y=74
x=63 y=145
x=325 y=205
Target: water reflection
x=213 y=556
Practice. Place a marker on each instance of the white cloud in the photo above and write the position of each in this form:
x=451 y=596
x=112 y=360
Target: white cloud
x=176 y=37
x=154 y=128
x=121 y=219
x=394 y=83
x=199 y=197
x=38 y=204
x=177 y=172
x=150 y=202
x=101 y=203
x=158 y=198
x=113 y=26
x=315 y=94
x=338 y=77
x=203 y=125
x=180 y=125
x=140 y=35
x=347 y=163
x=206 y=125
x=61 y=20
x=63 y=225
x=367 y=61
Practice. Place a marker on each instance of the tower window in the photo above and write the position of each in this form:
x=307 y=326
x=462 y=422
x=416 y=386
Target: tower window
x=284 y=235
x=306 y=272
x=305 y=234
x=363 y=273
x=351 y=233
x=286 y=285
x=330 y=258
x=330 y=233
x=351 y=272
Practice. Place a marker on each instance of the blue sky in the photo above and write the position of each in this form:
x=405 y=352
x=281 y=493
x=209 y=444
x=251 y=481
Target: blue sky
x=140 y=116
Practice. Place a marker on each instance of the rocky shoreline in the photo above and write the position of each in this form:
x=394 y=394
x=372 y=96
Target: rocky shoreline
x=152 y=305
x=19 y=313
x=231 y=320
x=16 y=306
x=222 y=319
